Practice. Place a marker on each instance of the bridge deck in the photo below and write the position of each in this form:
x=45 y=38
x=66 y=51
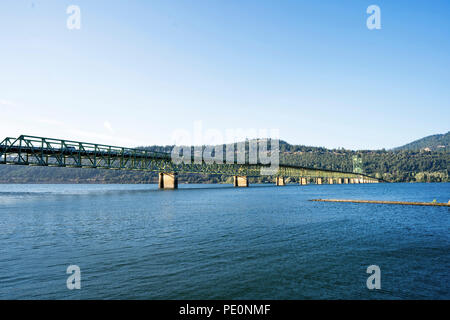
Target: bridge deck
x=39 y=151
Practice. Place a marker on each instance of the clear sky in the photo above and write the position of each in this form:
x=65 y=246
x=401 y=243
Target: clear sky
x=137 y=71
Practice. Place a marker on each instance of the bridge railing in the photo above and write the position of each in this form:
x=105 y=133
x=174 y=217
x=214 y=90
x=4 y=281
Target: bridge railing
x=49 y=151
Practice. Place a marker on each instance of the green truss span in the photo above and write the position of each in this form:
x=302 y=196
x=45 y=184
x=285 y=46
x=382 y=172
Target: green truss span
x=39 y=151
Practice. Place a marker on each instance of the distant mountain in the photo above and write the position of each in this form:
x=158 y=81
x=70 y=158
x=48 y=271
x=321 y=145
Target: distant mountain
x=434 y=142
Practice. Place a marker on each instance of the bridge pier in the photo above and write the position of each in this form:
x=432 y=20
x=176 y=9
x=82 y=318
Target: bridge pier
x=240 y=181
x=339 y=180
x=330 y=181
x=303 y=181
x=319 y=180
x=168 y=180
x=280 y=181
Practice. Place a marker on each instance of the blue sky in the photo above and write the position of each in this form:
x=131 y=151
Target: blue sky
x=137 y=71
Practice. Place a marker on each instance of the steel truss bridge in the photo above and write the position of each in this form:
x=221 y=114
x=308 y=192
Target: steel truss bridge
x=48 y=152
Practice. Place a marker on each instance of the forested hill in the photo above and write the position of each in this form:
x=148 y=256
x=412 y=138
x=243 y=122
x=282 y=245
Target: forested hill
x=394 y=166
x=398 y=165
x=434 y=142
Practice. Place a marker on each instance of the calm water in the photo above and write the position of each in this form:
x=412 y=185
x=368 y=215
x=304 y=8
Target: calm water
x=219 y=242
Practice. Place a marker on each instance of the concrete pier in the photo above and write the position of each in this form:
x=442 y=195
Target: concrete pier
x=279 y=181
x=330 y=181
x=240 y=181
x=168 y=180
x=303 y=181
x=319 y=181
x=339 y=180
